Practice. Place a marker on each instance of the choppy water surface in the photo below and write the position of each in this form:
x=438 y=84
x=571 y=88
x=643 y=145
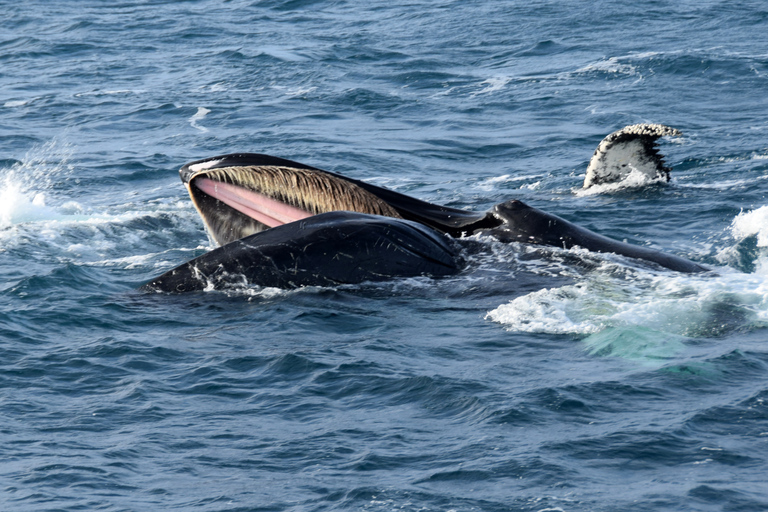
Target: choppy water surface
x=537 y=380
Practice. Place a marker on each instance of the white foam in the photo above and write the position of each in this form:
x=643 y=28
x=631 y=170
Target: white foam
x=199 y=116
x=493 y=84
x=611 y=65
x=217 y=87
x=155 y=260
x=752 y=223
x=494 y=183
x=718 y=185
x=639 y=313
x=17 y=103
x=547 y=311
x=671 y=303
x=752 y=156
x=635 y=179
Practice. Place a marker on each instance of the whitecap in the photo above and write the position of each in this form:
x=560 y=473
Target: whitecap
x=494 y=183
x=198 y=116
x=718 y=185
x=670 y=304
x=611 y=65
x=545 y=311
x=17 y=103
x=491 y=85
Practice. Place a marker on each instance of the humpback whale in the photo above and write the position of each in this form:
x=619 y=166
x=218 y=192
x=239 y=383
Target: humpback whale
x=286 y=224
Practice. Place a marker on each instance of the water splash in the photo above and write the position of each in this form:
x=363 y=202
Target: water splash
x=634 y=180
x=18 y=206
x=24 y=187
x=644 y=314
x=752 y=223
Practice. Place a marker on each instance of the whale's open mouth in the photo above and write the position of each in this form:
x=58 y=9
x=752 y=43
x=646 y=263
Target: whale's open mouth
x=257 y=206
x=239 y=200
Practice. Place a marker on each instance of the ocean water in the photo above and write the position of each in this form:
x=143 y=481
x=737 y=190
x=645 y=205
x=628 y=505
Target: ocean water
x=538 y=379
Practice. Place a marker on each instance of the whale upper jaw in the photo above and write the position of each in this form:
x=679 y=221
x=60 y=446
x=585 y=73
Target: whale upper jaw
x=240 y=194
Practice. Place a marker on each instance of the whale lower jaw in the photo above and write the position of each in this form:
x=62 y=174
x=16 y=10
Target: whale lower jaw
x=329 y=249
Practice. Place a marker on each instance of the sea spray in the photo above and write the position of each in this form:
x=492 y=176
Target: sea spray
x=749 y=250
x=24 y=186
x=18 y=205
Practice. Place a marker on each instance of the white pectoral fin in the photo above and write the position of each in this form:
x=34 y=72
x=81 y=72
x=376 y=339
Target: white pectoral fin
x=631 y=150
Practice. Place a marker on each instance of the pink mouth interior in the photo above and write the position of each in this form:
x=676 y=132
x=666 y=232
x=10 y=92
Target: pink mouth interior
x=257 y=206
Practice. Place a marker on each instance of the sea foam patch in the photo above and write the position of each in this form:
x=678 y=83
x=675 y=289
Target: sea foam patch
x=645 y=313
x=684 y=305
x=199 y=116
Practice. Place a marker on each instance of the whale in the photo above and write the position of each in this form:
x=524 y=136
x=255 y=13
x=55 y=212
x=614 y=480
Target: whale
x=286 y=224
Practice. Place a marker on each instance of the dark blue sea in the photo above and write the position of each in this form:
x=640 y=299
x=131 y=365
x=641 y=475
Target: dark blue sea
x=538 y=379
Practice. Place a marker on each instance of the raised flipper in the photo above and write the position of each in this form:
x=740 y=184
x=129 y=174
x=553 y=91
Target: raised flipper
x=323 y=250
x=633 y=148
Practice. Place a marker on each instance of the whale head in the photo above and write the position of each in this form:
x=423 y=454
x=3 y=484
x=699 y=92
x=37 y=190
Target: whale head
x=240 y=194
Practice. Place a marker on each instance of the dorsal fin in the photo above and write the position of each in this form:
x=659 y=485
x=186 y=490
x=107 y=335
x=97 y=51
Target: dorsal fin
x=633 y=148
